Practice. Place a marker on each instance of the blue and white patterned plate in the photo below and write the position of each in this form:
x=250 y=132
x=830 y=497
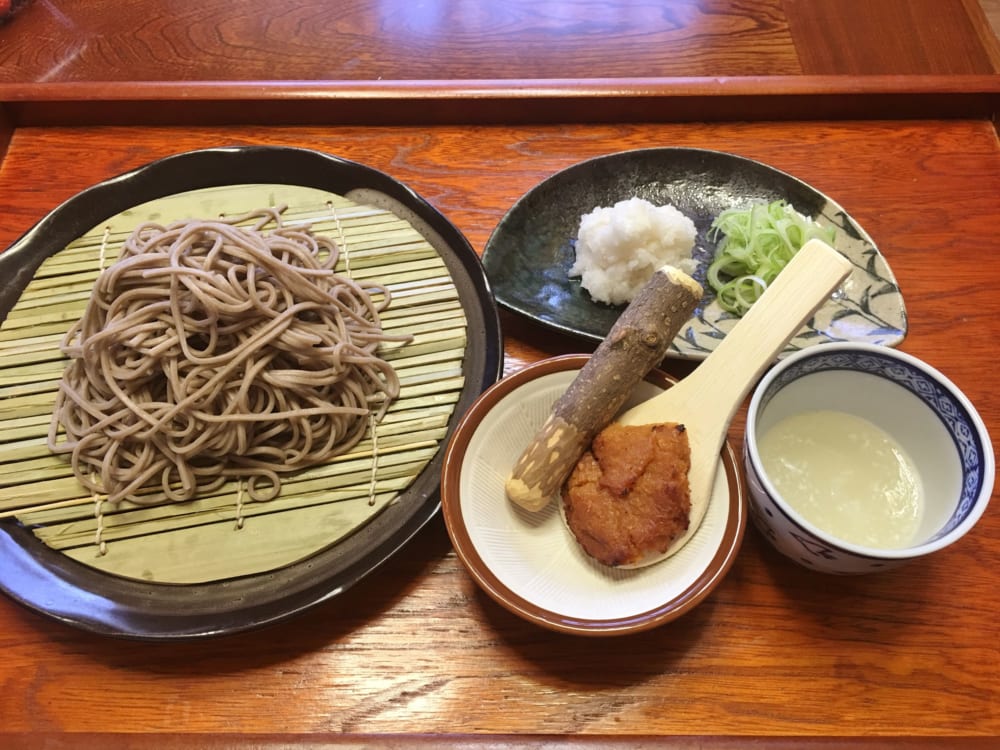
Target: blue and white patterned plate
x=528 y=256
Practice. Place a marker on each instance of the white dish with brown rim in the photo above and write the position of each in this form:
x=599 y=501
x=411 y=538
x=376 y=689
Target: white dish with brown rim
x=529 y=562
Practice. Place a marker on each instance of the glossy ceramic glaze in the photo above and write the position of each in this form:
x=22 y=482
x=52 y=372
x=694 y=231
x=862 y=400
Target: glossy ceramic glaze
x=529 y=254
x=913 y=403
x=529 y=562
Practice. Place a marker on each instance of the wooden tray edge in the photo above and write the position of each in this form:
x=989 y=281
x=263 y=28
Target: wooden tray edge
x=498 y=101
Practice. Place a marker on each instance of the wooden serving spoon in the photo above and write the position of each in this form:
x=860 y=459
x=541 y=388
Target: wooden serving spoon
x=705 y=401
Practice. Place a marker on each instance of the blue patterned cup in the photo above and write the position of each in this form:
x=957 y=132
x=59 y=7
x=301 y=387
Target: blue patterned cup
x=922 y=411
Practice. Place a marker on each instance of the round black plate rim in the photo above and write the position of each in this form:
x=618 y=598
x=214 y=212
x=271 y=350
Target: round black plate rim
x=54 y=585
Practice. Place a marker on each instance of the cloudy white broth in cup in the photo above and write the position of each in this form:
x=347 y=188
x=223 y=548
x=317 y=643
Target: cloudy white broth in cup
x=845 y=475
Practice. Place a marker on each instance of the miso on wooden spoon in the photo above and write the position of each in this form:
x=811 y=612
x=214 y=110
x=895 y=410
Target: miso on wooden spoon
x=705 y=401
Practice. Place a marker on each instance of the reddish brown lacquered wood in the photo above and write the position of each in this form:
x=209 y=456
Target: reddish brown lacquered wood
x=6 y=131
x=218 y=40
x=861 y=37
x=188 y=741
x=500 y=101
x=776 y=650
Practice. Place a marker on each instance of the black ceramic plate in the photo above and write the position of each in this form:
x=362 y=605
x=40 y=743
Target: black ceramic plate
x=528 y=256
x=55 y=585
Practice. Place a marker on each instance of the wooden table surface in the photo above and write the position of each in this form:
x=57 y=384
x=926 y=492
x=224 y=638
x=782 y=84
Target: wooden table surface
x=885 y=106
x=418 y=649
x=197 y=62
x=384 y=40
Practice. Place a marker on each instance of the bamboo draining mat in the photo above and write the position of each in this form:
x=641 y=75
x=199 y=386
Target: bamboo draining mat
x=220 y=536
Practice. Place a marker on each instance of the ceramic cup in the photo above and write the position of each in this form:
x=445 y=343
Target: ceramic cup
x=910 y=401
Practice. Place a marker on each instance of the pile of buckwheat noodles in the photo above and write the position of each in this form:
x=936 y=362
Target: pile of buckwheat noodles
x=210 y=351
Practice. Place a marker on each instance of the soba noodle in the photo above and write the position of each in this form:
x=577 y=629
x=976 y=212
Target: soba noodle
x=210 y=351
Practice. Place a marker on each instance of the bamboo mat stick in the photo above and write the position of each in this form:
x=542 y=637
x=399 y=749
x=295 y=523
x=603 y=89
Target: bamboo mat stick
x=84 y=531
x=38 y=342
x=147 y=521
x=63 y=315
x=272 y=543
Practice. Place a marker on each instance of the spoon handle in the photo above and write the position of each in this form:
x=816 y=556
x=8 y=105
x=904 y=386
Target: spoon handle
x=756 y=340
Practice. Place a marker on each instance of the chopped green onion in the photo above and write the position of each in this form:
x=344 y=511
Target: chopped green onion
x=757 y=243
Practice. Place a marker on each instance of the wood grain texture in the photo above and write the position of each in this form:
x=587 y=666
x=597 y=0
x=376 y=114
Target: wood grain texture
x=6 y=131
x=985 y=18
x=861 y=37
x=206 y=40
x=889 y=36
x=376 y=40
x=991 y=9
x=687 y=99
x=775 y=651
x=190 y=741
x=368 y=62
